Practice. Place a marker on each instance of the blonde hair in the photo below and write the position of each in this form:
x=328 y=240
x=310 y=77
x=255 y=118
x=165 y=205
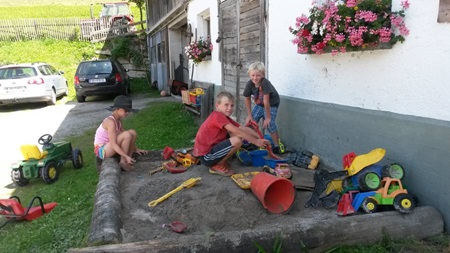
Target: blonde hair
x=224 y=94
x=258 y=66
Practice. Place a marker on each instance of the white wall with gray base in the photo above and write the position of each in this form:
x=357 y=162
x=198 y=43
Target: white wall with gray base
x=421 y=145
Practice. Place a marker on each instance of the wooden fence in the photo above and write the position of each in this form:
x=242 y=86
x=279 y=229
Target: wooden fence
x=64 y=29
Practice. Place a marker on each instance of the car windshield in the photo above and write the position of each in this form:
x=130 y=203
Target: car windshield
x=93 y=68
x=115 y=9
x=17 y=72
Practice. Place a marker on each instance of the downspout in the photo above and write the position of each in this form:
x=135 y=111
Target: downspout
x=219 y=40
x=238 y=60
x=263 y=33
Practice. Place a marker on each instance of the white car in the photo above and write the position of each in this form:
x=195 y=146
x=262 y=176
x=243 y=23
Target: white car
x=30 y=83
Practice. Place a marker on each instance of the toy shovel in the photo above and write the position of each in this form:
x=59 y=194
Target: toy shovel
x=362 y=161
x=186 y=184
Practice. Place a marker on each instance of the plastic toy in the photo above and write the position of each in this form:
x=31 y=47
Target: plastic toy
x=176 y=226
x=244 y=180
x=305 y=159
x=253 y=125
x=281 y=170
x=186 y=184
x=321 y=180
x=45 y=164
x=364 y=174
x=12 y=209
x=391 y=193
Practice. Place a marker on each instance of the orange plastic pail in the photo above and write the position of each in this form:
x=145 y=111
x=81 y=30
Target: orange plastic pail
x=276 y=194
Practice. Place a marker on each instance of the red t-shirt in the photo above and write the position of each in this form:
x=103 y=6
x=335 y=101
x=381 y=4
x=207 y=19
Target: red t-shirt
x=211 y=132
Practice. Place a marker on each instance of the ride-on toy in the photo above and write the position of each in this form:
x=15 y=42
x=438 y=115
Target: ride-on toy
x=45 y=164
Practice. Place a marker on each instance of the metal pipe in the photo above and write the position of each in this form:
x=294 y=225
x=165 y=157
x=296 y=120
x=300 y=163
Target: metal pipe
x=238 y=60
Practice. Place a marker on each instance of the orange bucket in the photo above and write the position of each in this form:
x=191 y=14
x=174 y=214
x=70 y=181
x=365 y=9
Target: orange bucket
x=276 y=194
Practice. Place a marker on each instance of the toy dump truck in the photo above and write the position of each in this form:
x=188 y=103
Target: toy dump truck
x=391 y=193
x=363 y=172
x=45 y=164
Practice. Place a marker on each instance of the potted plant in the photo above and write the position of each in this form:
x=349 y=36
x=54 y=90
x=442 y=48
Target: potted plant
x=199 y=50
x=338 y=26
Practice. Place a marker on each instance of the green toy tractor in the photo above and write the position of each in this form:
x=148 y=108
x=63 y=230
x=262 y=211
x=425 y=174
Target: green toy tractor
x=45 y=164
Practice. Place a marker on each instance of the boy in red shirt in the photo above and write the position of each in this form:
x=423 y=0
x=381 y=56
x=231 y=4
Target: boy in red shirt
x=220 y=137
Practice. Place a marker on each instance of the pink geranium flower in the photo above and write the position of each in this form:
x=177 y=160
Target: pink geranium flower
x=338 y=26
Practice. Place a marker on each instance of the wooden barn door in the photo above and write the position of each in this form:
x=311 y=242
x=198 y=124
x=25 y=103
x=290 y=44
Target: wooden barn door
x=242 y=25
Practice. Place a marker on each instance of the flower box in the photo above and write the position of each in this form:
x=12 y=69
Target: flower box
x=199 y=50
x=354 y=25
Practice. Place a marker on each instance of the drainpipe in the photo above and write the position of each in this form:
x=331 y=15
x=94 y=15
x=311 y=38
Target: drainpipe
x=219 y=40
x=238 y=60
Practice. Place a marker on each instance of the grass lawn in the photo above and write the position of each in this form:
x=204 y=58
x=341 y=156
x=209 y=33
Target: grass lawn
x=63 y=55
x=67 y=226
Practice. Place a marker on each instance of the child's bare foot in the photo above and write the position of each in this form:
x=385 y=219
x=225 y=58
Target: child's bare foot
x=125 y=166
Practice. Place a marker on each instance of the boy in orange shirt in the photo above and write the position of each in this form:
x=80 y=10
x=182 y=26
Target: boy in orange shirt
x=220 y=137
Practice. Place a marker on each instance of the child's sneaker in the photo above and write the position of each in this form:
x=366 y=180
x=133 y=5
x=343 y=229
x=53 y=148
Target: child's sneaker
x=222 y=170
x=279 y=149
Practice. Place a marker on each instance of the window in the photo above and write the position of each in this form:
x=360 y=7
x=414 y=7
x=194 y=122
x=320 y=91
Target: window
x=204 y=24
x=444 y=11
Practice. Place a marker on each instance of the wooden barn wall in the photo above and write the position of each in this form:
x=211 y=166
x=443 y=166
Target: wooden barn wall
x=158 y=9
x=247 y=18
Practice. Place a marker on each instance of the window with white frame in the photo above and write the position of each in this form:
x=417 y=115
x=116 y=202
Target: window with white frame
x=203 y=24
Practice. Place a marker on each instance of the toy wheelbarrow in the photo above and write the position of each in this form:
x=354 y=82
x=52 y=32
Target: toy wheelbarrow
x=186 y=184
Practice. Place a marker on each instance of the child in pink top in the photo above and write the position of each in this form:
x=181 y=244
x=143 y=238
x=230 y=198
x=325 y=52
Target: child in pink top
x=112 y=139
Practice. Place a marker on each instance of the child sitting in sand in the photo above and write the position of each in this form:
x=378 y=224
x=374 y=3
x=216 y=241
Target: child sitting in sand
x=112 y=139
x=220 y=137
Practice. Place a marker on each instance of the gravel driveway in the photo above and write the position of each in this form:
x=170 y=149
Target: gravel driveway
x=24 y=124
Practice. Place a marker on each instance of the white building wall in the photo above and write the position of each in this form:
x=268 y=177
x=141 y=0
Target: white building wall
x=412 y=78
x=206 y=71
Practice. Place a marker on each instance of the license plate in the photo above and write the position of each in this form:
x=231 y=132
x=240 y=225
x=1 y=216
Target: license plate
x=100 y=80
x=15 y=88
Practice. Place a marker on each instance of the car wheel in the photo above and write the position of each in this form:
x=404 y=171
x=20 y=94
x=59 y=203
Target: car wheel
x=52 y=101
x=370 y=205
x=66 y=91
x=125 y=92
x=77 y=158
x=369 y=181
x=347 y=184
x=404 y=203
x=394 y=170
x=129 y=88
x=50 y=173
x=17 y=177
x=81 y=99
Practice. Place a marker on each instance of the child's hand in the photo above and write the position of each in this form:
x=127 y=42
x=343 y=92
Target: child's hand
x=141 y=152
x=262 y=143
x=266 y=122
x=130 y=160
x=248 y=119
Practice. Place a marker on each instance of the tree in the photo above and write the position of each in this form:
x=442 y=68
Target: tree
x=141 y=5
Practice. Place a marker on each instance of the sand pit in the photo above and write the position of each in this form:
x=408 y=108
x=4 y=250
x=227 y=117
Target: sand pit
x=214 y=204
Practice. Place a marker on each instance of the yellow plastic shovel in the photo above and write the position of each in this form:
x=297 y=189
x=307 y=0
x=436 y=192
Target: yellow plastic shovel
x=186 y=184
x=362 y=161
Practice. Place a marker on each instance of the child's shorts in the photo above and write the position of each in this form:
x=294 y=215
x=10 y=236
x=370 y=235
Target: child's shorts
x=99 y=151
x=217 y=153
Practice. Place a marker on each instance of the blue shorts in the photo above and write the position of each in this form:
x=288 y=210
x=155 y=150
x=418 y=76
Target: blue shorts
x=258 y=112
x=217 y=153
